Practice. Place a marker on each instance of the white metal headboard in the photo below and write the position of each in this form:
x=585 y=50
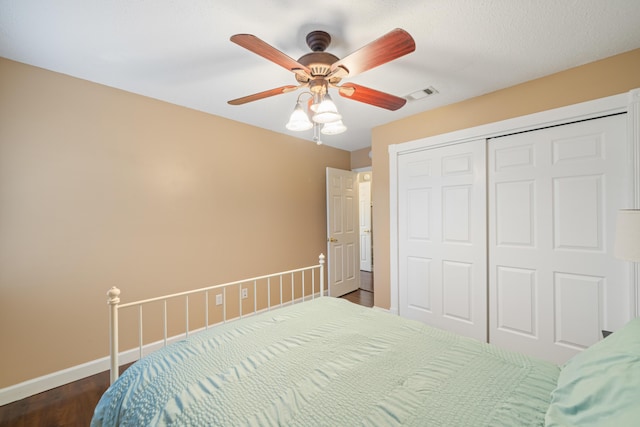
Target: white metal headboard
x=115 y=306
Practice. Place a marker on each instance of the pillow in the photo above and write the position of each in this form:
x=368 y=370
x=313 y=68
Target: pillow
x=601 y=385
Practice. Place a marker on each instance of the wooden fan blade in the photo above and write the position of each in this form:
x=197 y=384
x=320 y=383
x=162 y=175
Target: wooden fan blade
x=262 y=95
x=392 y=45
x=371 y=96
x=259 y=47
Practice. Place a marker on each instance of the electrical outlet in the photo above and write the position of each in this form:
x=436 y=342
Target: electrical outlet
x=219 y=299
x=245 y=293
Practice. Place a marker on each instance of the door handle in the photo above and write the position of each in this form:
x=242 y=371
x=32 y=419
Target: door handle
x=332 y=239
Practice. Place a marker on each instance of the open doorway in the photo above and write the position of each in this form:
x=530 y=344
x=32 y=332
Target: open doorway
x=365 y=212
x=365 y=221
x=362 y=260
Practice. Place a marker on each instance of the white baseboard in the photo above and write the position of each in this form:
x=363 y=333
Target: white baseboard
x=56 y=379
x=53 y=380
x=78 y=372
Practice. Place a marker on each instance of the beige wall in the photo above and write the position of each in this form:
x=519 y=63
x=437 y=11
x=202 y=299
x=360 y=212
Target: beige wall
x=360 y=158
x=100 y=187
x=610 y=76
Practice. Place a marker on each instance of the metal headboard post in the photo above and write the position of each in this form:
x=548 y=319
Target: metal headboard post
x=321 y=262
x=114 y=300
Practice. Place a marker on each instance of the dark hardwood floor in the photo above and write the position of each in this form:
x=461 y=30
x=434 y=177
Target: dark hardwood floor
x=68 y=405
x=364 y=295
x=360 y=297
x=72 y=404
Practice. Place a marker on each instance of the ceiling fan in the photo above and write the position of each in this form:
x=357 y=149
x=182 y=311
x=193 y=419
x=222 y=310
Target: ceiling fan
x=319 y=70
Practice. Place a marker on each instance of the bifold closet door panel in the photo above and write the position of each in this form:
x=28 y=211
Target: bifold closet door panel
x=553 y=195
x=442 y=231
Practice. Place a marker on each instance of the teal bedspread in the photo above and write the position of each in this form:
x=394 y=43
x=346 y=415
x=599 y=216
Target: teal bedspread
x=329 y=362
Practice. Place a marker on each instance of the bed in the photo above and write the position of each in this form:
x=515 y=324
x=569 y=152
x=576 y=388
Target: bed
x=328 y=362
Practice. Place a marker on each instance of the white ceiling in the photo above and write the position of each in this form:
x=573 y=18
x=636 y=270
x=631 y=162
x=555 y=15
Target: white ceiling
x=179 y=51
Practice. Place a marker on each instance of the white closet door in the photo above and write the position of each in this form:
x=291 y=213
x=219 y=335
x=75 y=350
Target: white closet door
x=553 y=195
x=442 y=231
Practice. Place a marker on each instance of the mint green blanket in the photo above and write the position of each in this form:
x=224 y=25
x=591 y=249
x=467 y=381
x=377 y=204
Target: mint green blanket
x=329 y=362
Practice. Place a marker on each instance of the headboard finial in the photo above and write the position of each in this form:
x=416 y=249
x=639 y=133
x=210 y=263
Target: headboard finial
x=114 y=296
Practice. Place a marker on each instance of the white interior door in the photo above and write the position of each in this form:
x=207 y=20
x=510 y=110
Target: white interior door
x=553 y=196
x=364 y=194
x=442 y=265
x=343 y=260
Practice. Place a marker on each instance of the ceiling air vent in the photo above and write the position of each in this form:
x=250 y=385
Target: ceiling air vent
x=420 y=94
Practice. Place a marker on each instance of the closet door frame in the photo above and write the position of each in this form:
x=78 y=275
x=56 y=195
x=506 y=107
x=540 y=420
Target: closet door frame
x=628 y=103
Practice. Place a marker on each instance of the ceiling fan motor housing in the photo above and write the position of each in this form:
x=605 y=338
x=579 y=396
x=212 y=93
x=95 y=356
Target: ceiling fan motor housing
x=318 y=61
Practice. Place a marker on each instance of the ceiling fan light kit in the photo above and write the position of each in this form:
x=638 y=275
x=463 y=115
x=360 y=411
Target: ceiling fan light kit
x=324 y=115
x=320 y=70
